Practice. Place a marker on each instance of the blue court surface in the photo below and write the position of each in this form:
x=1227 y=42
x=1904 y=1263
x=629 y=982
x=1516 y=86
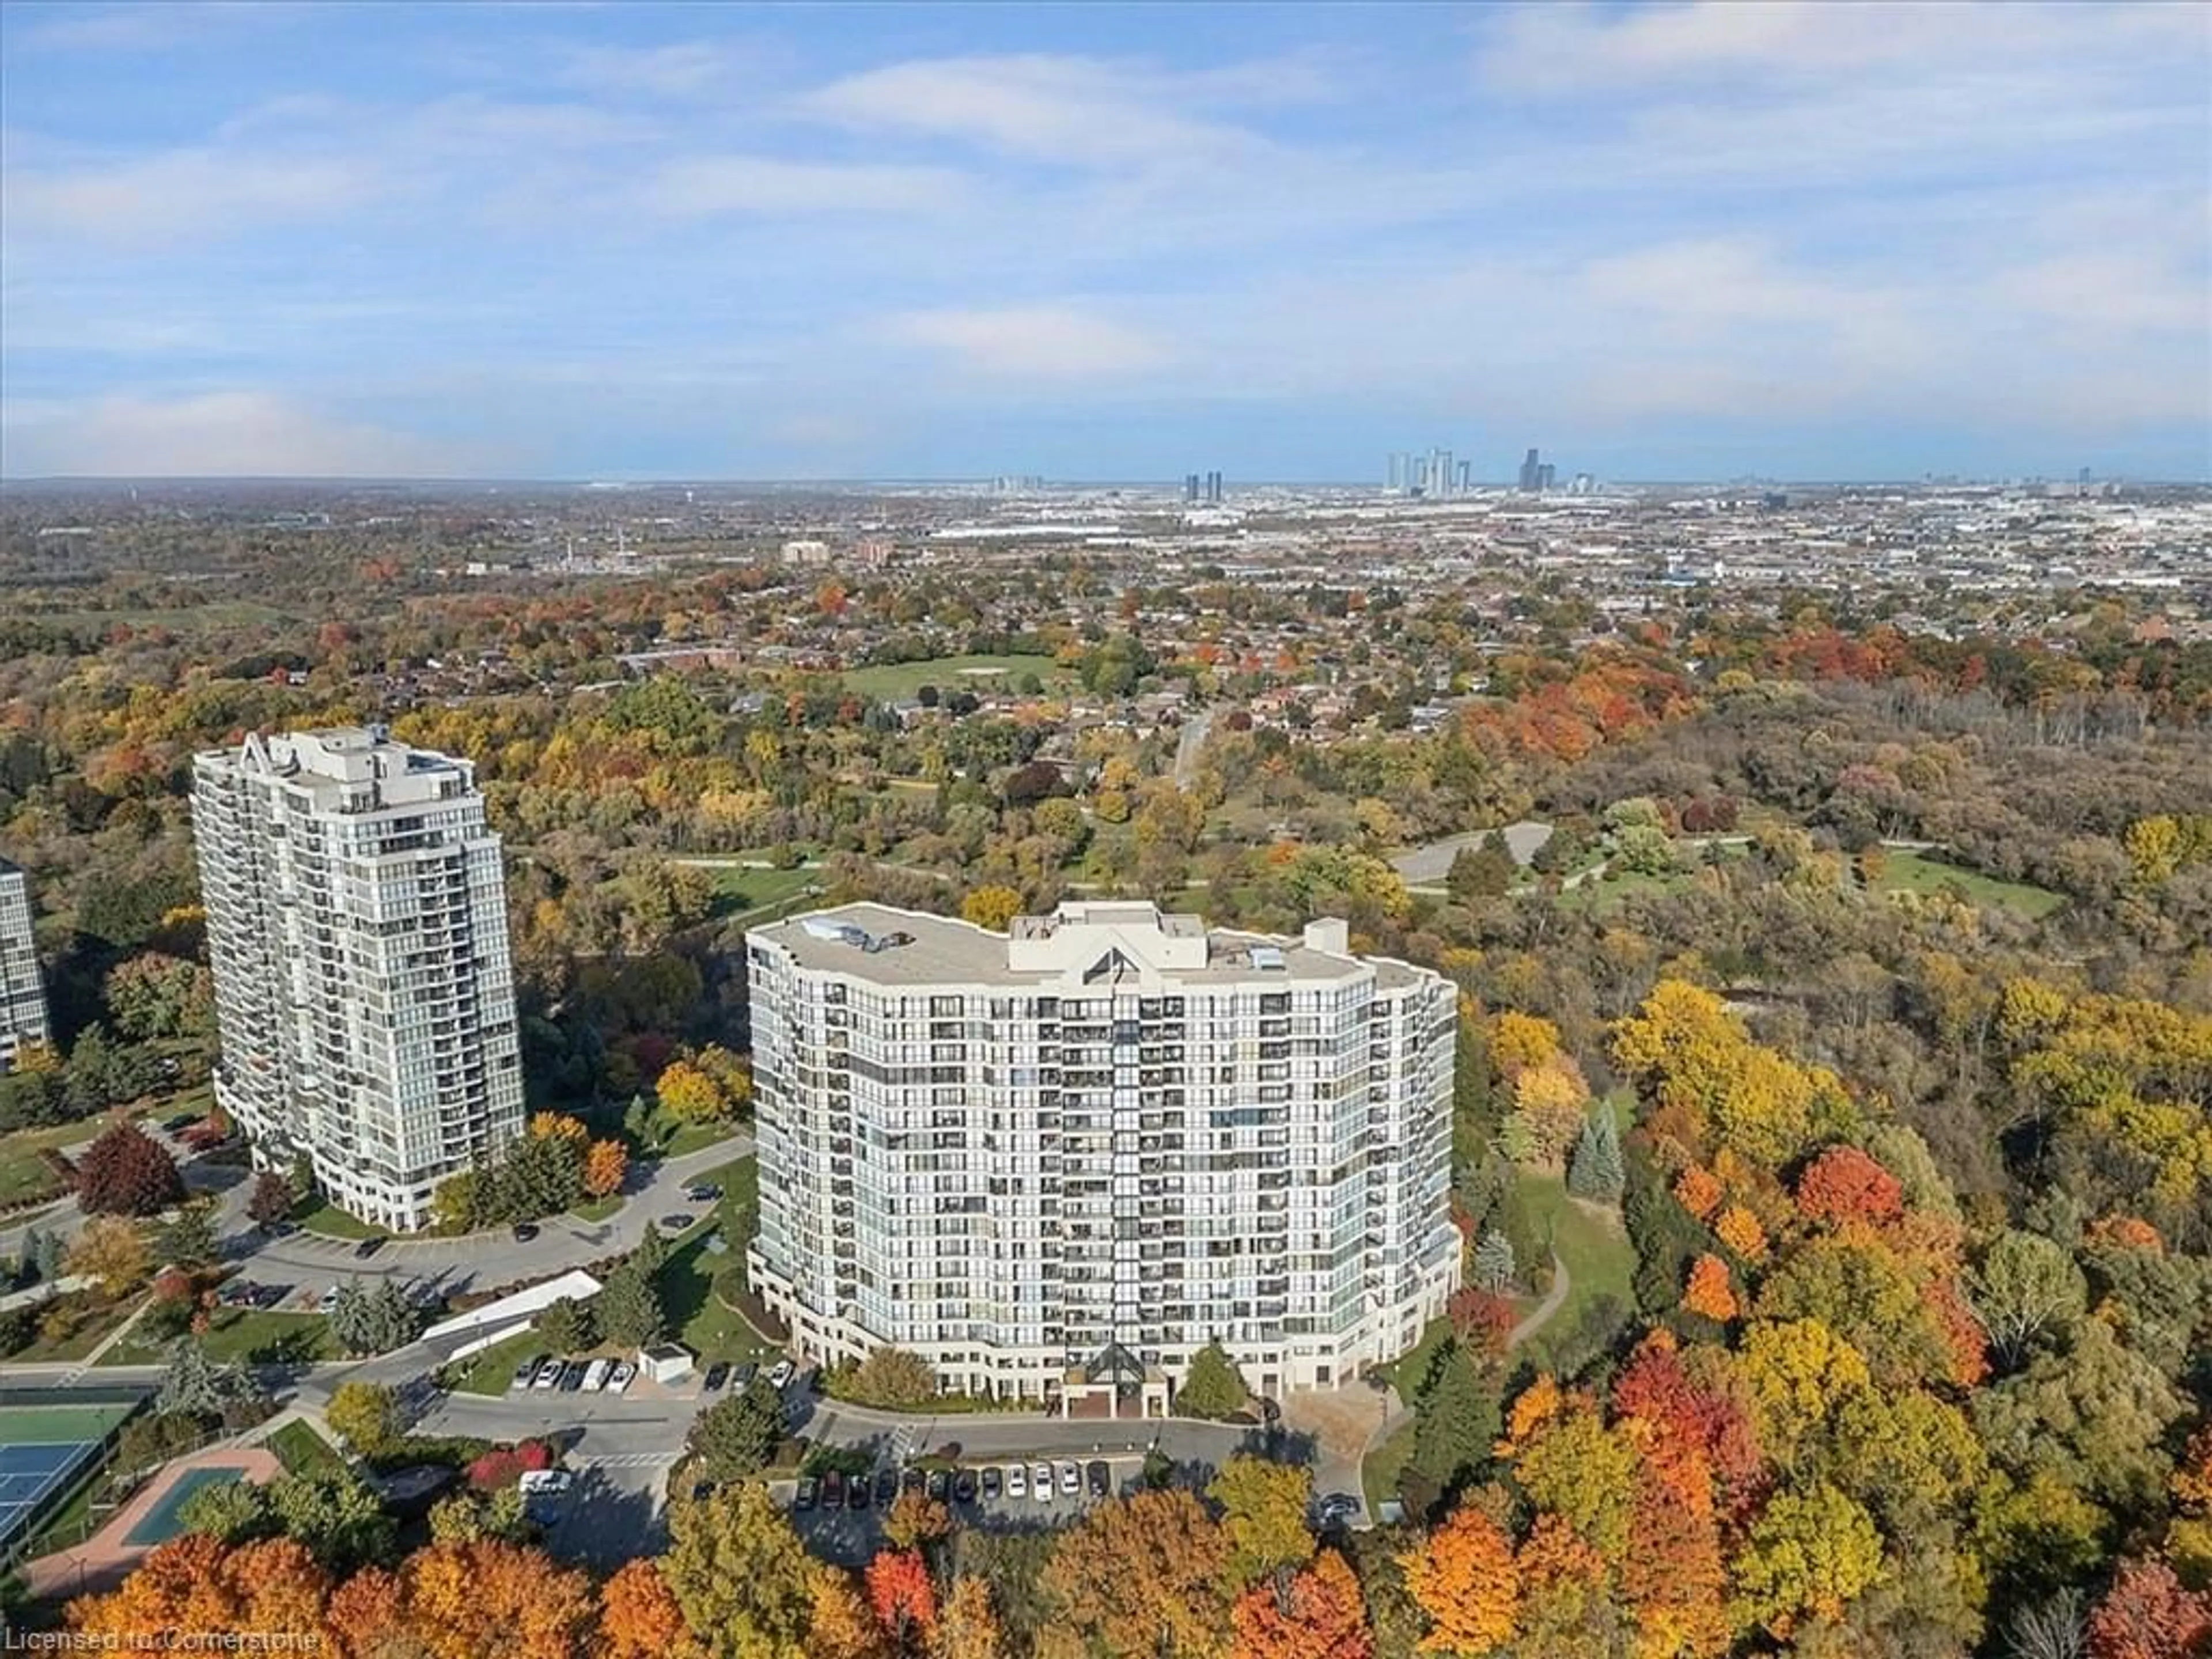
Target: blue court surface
x=41 y=1449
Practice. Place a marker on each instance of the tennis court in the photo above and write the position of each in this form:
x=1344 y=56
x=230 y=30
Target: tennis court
x=41 y=1449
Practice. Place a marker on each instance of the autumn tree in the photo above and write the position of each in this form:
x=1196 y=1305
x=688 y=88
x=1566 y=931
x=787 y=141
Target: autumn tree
x=992 y=906
x=740 y=1575
x=639 y=1617
x=2148 y=1614
x=841 y=1626
x=892 y=1378
x=1141 y=1575
x=604 y=1166
x=1844 y=1184
x=1316 y=1613
x=688 y=1094
x=967 y=1626
x=489 y=1599
x=127 y=1172
x=915 y=1519
x=903 y=1598
x=114 y=1252
x=364 y=1415
x=270 y=1200
x=1263 y=1517
x=1708 y=1292
x=1809 y=1556
x=1464 y=1578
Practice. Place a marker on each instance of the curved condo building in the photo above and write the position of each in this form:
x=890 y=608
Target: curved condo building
x=1058 y=1161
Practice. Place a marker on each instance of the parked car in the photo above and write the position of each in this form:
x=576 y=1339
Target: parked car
x=717 y=1373
x=423 y=1293
x=622 y=1376
x=856 y=1494
x=743 y=1376
x=701 y=1192
x=810 y=1489
x=1040 y=1482
x=994 y=1483
x=676 y=1223
x=526 y=1372
x=1336 y=1509
x=963 y=1486
x=524 y=1232
x=886 y=1488
x=1071 y=1480
x=268 y=1296
x=596 y=1374
x=780 y=1378
x=1100 y=1478
x=939 y=1484
x=914 y=1478
x=571 y=1375
x=833 y=1490
x=1017 y=1481
x=367 y=1247
x=238 y=1293
x=328 y=1301
x=549 y=1374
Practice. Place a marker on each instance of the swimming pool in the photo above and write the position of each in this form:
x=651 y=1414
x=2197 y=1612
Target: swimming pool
x=160 y=1523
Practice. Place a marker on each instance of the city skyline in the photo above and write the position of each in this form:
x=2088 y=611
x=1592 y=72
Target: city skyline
x=1684 y=242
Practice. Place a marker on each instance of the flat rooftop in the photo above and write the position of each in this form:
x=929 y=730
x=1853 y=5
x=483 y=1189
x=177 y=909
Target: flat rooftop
x=1081 y=947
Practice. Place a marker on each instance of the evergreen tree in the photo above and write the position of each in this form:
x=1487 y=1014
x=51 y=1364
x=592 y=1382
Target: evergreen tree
x=629 y=1307
x=194 y=1384
x=1213 y=1387
x=1495 y=1269
x=566 y=1326
x=1596 y=1171
x=737 y=1436
x=47 y=1257
x=1456 y=1421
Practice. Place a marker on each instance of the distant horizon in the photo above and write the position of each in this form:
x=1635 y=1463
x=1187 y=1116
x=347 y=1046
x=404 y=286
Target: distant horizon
x=1699 y=240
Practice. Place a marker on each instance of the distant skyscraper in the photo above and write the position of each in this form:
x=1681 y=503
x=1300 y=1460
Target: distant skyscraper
x=1466 y=476
x=1531 y=473
x=356 y=920
x=1395 y=475
x=22 y=993
x=1190 y=486
x=1544 y=476
x=1441 y=472
x=1214 y=488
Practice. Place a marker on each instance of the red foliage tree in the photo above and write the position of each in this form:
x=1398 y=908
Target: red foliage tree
x=1481 y=1320
x=2148 y=1614
x=1319 y=1615
x=900 y=1591
x=1844 y=1184
x=127 y=1172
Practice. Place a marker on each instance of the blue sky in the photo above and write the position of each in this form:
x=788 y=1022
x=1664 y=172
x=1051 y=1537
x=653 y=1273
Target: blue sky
x=1679 y=241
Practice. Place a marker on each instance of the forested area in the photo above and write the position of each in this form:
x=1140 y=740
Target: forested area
x=1861 y=995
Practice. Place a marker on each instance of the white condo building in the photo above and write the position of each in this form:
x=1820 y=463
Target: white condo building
x=22 y=992
x=1082 y=1150
x=364 y=994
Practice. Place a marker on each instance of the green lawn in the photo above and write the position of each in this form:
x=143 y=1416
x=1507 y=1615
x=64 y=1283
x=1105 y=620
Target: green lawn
x=252 y=1334
x=740 y=889
x=1378 y=1475
x=491 y=1370
x=702 y=1323
x=598 y=1209
x=1599 y=1261
x=696 y=1137
x=1922 y=872
x=23 y=1173
x=893 y=681
x=315 y=1215
x=80 y=1342
x=303 y=1451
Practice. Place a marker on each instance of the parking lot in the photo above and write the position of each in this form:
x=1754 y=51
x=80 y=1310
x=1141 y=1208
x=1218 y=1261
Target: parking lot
x=844 y=1533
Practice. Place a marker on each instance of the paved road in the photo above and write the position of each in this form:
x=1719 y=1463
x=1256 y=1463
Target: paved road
x=1428 y=864
x=1188 y=745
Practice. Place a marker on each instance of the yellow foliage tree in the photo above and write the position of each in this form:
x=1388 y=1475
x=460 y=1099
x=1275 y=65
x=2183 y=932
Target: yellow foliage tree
x=688 y=1094
x=546 y=1125
x=1464 y=1577
x=994 y=907
x=1738 y=1229
x=1551 y=1101
x=604 y=1166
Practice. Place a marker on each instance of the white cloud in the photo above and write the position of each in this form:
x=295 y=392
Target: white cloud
x=149 y=27
x=1057 y=342
x=1073 y=111
x=688 y=69
x=181 y=194
x=704 y=185
x=211 y=434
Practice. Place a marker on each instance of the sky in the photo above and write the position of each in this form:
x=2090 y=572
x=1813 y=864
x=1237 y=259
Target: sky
x=1801 y=240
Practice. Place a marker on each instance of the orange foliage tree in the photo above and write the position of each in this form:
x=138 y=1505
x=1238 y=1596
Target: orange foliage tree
x=1318 y=1614
x=1464 y=1577
x=1708 y=1292
x=2148 y=1614
x=639 y=1619
x=904 y=1600
x=1844 y=1184
x=604 y=1166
